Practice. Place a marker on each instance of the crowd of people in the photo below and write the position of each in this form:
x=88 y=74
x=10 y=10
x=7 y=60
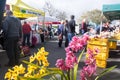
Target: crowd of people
x=66 y=28
x=15 y=32
x=17 y=37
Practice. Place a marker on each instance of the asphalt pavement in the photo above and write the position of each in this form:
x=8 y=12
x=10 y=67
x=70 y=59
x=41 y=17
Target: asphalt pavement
x=56 y=52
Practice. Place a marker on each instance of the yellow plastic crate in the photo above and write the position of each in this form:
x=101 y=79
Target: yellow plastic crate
x=112 y=44
x=117 y=36
x=102 y=56
x=102 y=49
x=101 y=63
x=98 y=41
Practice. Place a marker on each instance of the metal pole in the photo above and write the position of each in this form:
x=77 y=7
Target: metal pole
x=37 y=27
x=101 y=23
x=43 y=22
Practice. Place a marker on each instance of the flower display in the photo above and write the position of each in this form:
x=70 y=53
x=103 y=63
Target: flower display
x=89 y=70
x=36 y=66
x=13 y=74
x=71 y=60
x=66 y=69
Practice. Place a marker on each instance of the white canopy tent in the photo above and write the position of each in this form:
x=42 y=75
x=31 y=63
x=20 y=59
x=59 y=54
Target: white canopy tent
x=47 y=19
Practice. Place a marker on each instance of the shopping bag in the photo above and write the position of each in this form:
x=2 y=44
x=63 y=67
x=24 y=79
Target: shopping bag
x=34 y=40
x=26 y=51
x=60 y=36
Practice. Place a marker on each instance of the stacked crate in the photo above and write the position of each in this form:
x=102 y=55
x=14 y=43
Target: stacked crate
x=103 y=47
x=112 y=43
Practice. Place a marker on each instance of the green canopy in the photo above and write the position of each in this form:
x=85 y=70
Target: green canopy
x=111 y=11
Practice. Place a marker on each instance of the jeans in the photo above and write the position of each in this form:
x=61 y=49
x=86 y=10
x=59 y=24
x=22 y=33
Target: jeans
x=26 y=36
x=82 y=31
x=70 y=36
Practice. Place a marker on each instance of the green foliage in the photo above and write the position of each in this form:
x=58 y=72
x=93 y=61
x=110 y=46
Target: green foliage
x=95 y=16
x=76 y=66
x=105 y=72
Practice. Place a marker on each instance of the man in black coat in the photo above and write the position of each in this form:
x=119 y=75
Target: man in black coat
x=71 y=24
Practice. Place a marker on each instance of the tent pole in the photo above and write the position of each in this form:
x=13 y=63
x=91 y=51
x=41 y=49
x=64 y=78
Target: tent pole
x=101 y=23
x=43 y=22
x=37 y=19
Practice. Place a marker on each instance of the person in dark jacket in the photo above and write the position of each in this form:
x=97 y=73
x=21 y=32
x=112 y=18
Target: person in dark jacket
x=60 y=33
x=12 y=29
x=84 y=26
x=66 y=26
x=71 y=31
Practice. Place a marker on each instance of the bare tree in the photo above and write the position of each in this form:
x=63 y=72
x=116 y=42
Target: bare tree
x=48 y=7
x=61 y=15
x=51 y=11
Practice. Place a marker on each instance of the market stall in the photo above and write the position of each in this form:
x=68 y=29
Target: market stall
x=107 y=39
x=22 y=10
x=111 y=11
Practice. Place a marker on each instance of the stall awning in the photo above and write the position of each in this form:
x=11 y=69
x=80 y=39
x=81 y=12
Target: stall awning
x=111 y=11
x=22 y=10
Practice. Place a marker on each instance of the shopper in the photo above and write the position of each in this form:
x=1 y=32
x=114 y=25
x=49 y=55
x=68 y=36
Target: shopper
x=26 y=33
x=71 y=24
x=13 y=33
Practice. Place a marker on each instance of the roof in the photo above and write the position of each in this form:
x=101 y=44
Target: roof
x=111 y=11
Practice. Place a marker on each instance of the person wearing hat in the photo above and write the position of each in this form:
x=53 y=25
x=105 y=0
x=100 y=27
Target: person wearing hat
x=12 y=29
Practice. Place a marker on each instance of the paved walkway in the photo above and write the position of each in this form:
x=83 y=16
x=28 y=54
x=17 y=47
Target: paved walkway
x=55 y=52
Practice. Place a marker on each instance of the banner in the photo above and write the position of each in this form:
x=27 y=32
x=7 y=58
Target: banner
x=23 y=13
x=22 y=10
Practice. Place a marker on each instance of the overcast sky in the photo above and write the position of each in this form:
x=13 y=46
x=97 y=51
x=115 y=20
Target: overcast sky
x=75 y=7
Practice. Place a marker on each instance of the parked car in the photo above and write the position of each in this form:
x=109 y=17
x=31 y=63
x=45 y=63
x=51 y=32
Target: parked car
x=54 y=31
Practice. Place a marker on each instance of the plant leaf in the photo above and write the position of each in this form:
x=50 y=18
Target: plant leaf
x=26 y=62
x=76 y=66
x=105 y=72
x=27 y=78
